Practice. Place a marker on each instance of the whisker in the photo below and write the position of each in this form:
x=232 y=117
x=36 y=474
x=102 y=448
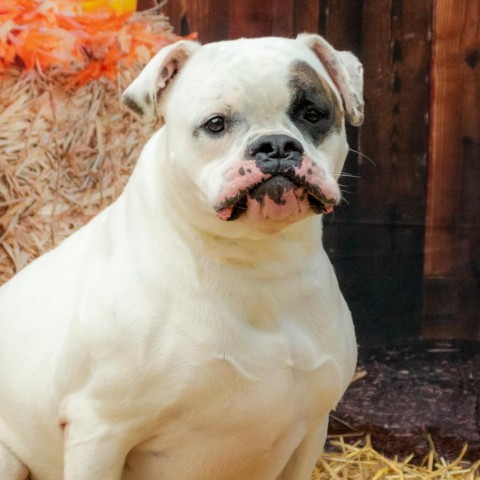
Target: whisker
x=343 y=199
x=329 y=218
x=346 y=174
x=349 y=175
x=363 y=155
x=344 y=190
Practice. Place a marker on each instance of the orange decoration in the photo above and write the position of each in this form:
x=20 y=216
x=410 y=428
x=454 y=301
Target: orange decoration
x=56 y=36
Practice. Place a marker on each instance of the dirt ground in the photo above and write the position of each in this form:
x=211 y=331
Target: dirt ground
x=415 y=394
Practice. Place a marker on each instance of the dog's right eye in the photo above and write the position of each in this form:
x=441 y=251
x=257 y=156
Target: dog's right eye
x=215 y=125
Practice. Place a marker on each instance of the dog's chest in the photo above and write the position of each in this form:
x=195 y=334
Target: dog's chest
x=243 y=406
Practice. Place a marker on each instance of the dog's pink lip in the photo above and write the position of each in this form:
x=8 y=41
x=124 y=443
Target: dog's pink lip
x=233 y=207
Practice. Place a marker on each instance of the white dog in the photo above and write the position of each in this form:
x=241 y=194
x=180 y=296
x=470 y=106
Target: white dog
x=195 y=328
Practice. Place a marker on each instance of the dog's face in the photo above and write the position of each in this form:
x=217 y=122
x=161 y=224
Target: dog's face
x=256 y=125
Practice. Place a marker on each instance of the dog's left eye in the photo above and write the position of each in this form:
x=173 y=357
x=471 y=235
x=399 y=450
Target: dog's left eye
x=313 y=115
x=216 y=125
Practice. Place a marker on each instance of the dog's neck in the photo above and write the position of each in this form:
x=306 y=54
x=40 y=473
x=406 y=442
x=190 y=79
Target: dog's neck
x=271 y=256
x=212 y=239
x=290 y=246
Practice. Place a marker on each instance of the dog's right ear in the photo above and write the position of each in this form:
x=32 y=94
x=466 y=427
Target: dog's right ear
x=346 y=72
x=143 y=96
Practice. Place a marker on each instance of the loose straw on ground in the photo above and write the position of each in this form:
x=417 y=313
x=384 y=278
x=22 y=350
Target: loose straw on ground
x=360 y=461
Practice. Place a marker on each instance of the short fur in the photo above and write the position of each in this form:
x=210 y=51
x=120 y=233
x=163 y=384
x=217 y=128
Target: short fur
x=162 y=343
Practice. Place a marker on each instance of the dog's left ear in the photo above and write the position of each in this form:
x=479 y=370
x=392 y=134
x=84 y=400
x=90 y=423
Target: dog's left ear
x=346 y=72
x=144 y=95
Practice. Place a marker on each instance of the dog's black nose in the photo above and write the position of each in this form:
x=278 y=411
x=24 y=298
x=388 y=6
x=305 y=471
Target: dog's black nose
x=275 y=147
x=276 y=154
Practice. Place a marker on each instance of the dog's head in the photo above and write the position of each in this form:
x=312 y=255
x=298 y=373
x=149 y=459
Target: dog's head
x=256 y=126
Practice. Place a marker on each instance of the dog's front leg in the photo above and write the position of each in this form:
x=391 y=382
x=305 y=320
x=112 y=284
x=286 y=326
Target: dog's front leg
x=95 y=449
x=93 y=453
x=303 y=461
x=11 y=468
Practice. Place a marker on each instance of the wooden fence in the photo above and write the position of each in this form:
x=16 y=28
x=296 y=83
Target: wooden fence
x=406 y=246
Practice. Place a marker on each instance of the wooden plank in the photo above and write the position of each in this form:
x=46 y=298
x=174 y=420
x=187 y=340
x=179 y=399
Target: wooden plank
x=452 y=306
x=145 y=4
x=175 y=10
x=305 y=16
x=251 y=18
x=223 y=19
x=454 y=130
x=452 y=240
x=342 y=24
x=219 y=20
x=382 y=271
x=396 y=54
x=206 y=17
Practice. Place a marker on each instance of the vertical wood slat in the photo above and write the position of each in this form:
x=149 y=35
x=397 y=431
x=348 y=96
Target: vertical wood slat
x=396 y=55
x=175 y=11
x=305 y=16
x=145 y=4
x=454 y=119
x=452 y=240
x=250 y=18
x=339 y=21
x=388 y=209
x=209 y=18
x=342 y=24
x=223 y=19
x=377 y=130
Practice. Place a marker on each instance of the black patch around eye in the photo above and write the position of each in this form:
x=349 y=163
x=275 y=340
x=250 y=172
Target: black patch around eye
x=314 y=108
x=312 y=116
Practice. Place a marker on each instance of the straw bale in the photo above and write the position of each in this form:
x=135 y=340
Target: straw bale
x=64 y=155
x=67 y=153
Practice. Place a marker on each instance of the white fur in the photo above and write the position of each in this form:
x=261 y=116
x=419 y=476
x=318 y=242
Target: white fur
x=160 y=336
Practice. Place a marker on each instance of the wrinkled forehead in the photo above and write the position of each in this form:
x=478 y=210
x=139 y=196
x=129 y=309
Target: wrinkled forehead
x=252 y=71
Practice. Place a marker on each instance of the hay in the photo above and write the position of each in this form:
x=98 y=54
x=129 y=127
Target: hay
x=67 y=153
x=64 y=156
x=360 y=461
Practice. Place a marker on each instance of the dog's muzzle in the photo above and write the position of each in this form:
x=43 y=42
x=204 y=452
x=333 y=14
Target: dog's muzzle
x=279 y=178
